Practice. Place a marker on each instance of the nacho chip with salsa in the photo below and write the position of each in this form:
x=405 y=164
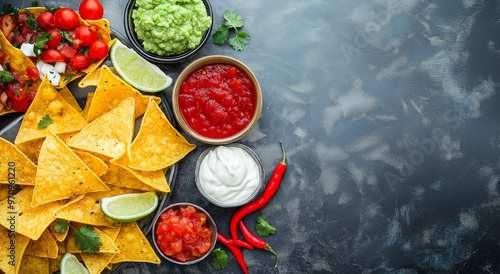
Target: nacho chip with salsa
x=61 y=174
x=158 y=144
x=15 y=167
x=49 y=105
x=111 y=91
x=109 y=135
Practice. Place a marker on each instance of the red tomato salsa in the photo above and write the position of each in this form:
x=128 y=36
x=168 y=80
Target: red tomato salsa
x=217 y=101
x=182 y=234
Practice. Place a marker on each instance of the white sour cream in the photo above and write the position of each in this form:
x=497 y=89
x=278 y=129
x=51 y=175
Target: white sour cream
x=229 y=174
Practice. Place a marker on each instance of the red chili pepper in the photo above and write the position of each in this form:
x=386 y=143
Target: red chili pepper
x=255 y=241
x=272 y=187
x=241 y=243
x=235 y=250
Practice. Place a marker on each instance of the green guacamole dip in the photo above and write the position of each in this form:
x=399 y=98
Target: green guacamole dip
x=169 y=27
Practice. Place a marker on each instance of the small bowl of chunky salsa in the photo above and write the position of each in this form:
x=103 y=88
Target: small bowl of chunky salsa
x=184 y=233
x=217 y=99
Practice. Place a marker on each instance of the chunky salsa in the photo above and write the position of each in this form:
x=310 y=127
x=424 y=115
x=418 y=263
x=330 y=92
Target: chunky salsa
x=182 y=234
x=217 y=101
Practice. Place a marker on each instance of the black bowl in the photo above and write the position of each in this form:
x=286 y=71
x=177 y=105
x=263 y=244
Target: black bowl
x=137 y=44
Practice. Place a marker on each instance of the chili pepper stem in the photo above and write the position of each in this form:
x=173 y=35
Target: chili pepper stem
x=270 y=249
x=284 y=157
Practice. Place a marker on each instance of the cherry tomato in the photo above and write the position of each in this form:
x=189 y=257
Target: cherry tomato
x=91 y=10
x=79 y=61
x=99 y=49
x=52 y=55
x=31 y=93
x=21 y=105
x=46 y=20
x=56 y=38
x=65 y=19
x=86 y=35
x=33 y=73
x=6 y=24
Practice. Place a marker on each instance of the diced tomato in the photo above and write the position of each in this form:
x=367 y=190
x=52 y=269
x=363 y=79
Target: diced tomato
x=52 y=55
x=6 y=24
x=67 y=51
x=31 y=92
x=33 y=73
x=56 y=38
x=22 y=18
x=21 y=77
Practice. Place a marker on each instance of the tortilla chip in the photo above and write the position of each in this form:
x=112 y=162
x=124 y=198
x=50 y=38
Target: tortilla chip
x=60 y=237
x=68 y=96
x=108 y=245
x=30 y=221
x=85 y=111
x=49 y=102
x=32 y=264
x=62 y=245
x=125 y=177
x=111 y=231
x=45 y=246
x=158 y=144
x=155 y=179
x=4 y=192
x=15 y=167
x=61 y=174
x=55 y=264
x=109 y=135
x=111 y=91
x=97 y=262
x=95 y=164
x=88 y=210
x=32 y=148
x=134 y=247
x=10 y=253
x=92 y=78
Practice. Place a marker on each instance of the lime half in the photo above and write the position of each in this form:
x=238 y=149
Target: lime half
x=137 y=71
x=129 y=207
x=71 y=265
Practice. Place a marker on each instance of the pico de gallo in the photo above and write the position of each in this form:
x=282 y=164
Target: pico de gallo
x=59 y=44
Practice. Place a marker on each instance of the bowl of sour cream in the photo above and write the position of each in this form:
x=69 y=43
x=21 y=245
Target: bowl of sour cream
x=229 y=175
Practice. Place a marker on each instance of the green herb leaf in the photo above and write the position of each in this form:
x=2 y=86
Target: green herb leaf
x=7 y=78
x=34 y=4
x=7 y=66
x=45 y=122
x=233 y=20
x=61 y=226
x=68 y=77
x=84 y=51
x=31 y=20
x=240 y=40
x=65 y=36
x=219 y=258
x=87 y=240
x=17 y=93
x=40 y=41
x=220 y=36
x=16 y=15
x=49 y=9
x=7 y=9
x=263 y=227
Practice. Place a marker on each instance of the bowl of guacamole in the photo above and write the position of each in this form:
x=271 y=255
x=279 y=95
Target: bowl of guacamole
x=168 y=31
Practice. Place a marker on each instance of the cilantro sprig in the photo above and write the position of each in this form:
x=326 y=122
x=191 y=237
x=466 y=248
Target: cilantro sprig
x=219 y=258
x=233 y=21
x=263 y=227
x=40 y=42
x=45 y=122
x=86 y=239
x=7 y=78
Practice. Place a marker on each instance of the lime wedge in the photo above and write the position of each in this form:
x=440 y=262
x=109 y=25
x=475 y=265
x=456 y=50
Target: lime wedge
x=137 y=71
x=129 y=207
x=71 y=265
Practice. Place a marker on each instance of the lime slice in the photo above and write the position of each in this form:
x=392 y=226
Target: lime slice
x=129 y=207
x=71 y=265
x=137 y=71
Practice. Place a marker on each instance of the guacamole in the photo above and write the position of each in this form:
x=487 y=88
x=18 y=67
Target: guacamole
x=170 y=27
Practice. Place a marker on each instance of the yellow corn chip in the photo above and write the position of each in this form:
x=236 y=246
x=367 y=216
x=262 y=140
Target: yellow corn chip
x=45 y=246
x=88 y=209
x=60 y=237
x=111 y=231
x=92 y=79
x=4 y=192
x=97 y=262
x=62 y=245
x=158 y=144
x=61 y=174
x=134 y=247
x=85 y=111
x=125 y=177
x=95 y=164
x=32 y=264
x=68 y=96
x=155 y=179
x=109 y=135
x=111 y=91
x=15 y=167
x=11 y=254
x=108 y=245
x=55 y=264
x=31 y=148
x=49 y=102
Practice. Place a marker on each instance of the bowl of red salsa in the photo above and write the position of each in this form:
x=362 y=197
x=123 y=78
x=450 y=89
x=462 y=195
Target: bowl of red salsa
x=217 y=99
x=184 y=233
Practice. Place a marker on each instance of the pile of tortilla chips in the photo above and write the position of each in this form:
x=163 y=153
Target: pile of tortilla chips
x=18 y=62
x=65 y=167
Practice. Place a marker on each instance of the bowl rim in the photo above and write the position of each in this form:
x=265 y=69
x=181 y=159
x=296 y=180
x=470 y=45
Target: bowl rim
x=251 y=197
x=216 y=59
x=136 y=45
x=213 y=236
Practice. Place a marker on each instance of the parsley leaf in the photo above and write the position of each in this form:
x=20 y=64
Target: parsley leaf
x=7 y=78
x=263 y=227
x=40 y=41
x=84 y=51
x=87 y=240
x=219 y=258
x=65 y=36
x=233 y=21
x=45 y=122
x=34 y=4
x=68 y=77
x=49 y=9
x=61 y=226
x=31 y=20
x=7 y=9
